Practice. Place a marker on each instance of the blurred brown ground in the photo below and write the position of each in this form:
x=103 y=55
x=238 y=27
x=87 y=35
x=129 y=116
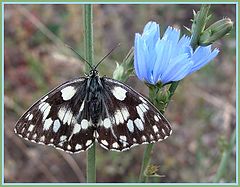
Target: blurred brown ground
x=202 y=111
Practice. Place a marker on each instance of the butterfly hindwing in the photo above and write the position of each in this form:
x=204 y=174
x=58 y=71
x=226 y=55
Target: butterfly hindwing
x=60 y=118
x=128 y=119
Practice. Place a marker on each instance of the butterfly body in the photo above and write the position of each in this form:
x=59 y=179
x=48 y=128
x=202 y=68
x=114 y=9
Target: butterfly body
x=94 y=99
x=93 y=108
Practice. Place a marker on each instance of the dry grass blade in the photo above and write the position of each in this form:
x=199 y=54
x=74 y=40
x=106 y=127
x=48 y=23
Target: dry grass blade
x=40 y=26
x=218 y=102
x=73 y=164
x=48 y=33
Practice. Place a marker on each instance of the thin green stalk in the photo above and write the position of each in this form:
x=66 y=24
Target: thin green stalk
x=91 y=164
x=148 y=149
x=88 y=41
x=198 y=26
x=225 y=158
x=145 y=162
x=88 y=34
x=172 y=89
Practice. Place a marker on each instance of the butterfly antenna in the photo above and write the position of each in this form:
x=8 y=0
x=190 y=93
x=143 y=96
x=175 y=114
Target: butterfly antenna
x=79 y=56
x=95 y=67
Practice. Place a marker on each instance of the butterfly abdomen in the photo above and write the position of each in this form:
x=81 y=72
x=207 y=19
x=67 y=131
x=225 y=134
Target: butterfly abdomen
x=95 y=99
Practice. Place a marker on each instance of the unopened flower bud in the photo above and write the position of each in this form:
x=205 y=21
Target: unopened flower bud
x=216 y=31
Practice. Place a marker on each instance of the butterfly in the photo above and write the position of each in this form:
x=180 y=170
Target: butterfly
x=81 y=111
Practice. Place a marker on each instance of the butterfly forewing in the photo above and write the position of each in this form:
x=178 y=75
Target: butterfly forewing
x=56 y=118
x=129 y=118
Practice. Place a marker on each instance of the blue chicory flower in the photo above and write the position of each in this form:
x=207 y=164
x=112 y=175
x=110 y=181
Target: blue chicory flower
x=168 y=58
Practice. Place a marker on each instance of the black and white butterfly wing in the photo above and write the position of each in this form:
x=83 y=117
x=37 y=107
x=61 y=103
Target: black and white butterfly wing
x=60 y=118
x=75 y=114
x=128 y=118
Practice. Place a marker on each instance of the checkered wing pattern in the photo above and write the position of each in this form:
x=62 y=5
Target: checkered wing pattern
x=129 y=119
x=87 y=109
x=60 y=119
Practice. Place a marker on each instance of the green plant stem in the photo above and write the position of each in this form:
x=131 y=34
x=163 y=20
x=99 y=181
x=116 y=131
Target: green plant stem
x=200 y=23
x=91 y=164
x=225 y=158
x=88 y=34
x=172 y=89
x=145 y=162
x=88 y=42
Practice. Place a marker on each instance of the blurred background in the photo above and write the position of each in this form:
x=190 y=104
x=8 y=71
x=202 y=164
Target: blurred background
x=202 y=111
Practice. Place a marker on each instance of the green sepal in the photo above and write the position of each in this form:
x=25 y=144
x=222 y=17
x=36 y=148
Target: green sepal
x=158 y=96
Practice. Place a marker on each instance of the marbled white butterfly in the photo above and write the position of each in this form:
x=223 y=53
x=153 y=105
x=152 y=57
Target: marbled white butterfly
x=93 y=108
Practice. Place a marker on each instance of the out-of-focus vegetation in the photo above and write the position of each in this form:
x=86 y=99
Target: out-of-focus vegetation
x=202 y=111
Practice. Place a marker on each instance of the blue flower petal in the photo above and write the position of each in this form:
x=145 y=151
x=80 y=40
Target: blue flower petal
x=151 y=33
x=164 y=52
x=148 y=63
x=136 y=61
x=141 y=53
x=202 y=56
x=172 y=35
x=180 y=74
x=168 y=59
x=151 y=25
x=139 y=59
x=177 y=69
x=150 y=36
x=183 y=43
